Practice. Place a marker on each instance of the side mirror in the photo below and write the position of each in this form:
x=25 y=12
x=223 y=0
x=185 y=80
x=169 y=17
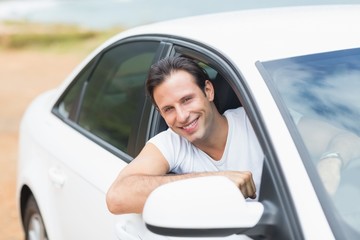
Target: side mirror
x=203 y=206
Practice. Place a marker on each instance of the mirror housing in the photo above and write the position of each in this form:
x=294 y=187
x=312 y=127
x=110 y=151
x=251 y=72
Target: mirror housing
x=202 y=206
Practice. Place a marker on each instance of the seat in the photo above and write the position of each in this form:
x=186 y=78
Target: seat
x=225 y=97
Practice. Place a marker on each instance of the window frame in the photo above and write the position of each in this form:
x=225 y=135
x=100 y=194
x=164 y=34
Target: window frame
x=278 y=203
x=72 y=121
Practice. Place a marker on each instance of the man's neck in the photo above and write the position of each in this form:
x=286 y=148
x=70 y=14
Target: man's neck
x=214 y=145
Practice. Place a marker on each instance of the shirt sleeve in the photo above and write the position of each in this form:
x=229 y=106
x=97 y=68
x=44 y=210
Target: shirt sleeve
x=168 y=143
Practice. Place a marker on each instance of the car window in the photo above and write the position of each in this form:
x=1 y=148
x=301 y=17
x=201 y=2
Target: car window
x=111 y=95
x=67 y=108
x=320 y=93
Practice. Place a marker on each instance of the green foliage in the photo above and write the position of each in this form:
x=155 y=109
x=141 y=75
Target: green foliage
x=46 y=40
x=23 y=35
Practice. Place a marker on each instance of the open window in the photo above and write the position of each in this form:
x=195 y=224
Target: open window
x=278 y=219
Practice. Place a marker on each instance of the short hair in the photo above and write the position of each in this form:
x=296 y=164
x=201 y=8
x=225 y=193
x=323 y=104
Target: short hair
x=163 y=69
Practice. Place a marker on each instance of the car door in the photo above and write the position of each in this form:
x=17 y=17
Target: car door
x=282 y=221
x=101 y=110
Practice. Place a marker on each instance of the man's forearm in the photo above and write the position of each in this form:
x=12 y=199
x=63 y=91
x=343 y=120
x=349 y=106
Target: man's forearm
x=128 y=194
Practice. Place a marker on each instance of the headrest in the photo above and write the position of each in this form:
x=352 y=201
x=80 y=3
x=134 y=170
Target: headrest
x=225 y=97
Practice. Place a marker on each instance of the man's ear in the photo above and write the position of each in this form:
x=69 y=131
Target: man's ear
x=209 y=90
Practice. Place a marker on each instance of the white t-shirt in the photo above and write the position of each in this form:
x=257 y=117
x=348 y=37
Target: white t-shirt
x=242 y=150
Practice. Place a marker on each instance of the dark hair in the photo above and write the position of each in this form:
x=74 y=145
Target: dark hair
x=167 y=66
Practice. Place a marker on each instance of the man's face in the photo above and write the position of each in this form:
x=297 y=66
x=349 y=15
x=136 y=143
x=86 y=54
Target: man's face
x=184 y=106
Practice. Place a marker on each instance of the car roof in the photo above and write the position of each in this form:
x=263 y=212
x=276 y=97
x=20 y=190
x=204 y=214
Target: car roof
x=247 y=36
x=265 y=34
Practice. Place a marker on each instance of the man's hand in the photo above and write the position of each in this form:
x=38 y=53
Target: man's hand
x=244 y=181
x=330 y=170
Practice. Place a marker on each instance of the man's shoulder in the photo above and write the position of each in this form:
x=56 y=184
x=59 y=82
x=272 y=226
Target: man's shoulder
x=235 y=112
x=167 y=136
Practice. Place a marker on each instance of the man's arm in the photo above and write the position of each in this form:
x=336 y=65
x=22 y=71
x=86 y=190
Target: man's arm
x=149 y=170
x=137 y=180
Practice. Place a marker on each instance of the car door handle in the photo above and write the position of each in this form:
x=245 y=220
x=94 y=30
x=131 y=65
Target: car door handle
x=57 y=177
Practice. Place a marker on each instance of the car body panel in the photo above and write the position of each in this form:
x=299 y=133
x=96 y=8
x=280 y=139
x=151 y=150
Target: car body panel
x=59 y=201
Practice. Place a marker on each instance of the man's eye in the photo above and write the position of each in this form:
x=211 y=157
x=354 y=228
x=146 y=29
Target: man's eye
x=187 y=99
x=166 y=110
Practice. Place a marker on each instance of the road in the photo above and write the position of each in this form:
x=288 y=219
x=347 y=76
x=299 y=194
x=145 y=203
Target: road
x=23 y=75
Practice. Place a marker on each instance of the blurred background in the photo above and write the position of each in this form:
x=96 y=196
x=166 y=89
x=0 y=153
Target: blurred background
x=42 y=41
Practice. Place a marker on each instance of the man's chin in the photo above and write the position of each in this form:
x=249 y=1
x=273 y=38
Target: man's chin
x=192 y=137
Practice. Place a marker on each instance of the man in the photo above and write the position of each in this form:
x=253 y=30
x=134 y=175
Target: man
x=202 y=142
x=199 y=142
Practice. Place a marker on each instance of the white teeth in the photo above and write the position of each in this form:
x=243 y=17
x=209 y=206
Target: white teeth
x=190 y=125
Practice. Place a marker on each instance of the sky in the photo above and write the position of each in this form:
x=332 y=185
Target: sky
x=129 y=13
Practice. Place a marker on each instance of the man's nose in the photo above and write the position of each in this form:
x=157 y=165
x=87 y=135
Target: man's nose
x=182 y=114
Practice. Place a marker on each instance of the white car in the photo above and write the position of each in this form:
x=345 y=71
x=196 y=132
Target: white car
x=282 y=65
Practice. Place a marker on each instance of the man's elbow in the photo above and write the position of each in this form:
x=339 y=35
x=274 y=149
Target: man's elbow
x=115 y=202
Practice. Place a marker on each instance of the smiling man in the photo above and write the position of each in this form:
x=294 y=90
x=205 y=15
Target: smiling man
x=199 y=141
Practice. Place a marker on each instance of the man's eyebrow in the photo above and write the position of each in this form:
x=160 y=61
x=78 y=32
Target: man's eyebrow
x=187 y=96
x=165 y=107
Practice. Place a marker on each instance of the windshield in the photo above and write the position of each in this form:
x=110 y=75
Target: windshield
x=321 y=94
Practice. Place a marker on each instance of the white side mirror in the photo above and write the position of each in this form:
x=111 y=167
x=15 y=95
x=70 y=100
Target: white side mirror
x=201 y=206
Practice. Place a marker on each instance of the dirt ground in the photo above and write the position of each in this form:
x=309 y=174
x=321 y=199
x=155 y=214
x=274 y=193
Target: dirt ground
x=23 y=75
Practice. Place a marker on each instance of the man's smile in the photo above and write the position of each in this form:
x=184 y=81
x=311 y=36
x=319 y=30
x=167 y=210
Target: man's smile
x=191 y=125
